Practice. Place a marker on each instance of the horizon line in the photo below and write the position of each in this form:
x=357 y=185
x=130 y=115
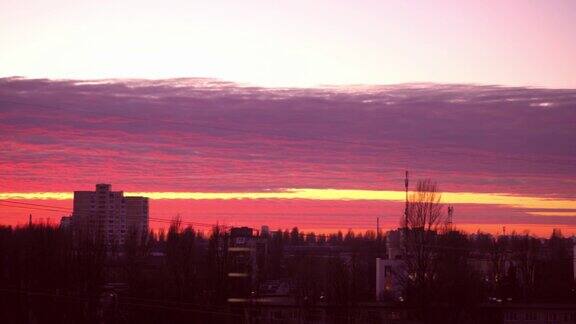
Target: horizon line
x=501 y=199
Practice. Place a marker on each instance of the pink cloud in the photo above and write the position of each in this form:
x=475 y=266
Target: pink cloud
x=207 y=135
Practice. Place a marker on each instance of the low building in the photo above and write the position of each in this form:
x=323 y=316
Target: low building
x=271 y=310
x=530 y=313
x=246 y=260
x=389 y=270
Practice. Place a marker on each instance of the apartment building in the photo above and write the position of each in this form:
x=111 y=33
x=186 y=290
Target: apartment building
x=108 y=216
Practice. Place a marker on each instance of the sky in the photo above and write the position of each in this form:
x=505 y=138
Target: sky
x=322 y=159
x=296 y=43
x=292 y=113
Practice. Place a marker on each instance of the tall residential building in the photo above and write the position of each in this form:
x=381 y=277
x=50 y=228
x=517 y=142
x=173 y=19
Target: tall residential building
x=137 y=216
x=107 y=216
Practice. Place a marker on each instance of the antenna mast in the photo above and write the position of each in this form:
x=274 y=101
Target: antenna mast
x=406 y=206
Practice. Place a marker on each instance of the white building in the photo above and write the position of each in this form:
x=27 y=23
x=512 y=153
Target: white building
x=389 y=269
x=107 y=216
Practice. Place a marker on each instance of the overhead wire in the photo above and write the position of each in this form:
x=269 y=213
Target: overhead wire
x=63 y=210
x=83 y=298
x=200 y=224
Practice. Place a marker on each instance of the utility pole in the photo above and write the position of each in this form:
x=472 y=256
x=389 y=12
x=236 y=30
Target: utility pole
x=406 y=206
x=450 y=213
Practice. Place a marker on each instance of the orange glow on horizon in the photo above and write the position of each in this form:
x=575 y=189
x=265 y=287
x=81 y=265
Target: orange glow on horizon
x=333 y=194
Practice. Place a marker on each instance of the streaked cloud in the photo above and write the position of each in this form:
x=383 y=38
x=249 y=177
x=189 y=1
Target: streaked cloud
x=336 y=194
x=211 y=138
x=554 y=213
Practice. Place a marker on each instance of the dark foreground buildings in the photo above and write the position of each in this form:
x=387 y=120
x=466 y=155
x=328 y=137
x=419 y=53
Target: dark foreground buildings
x=242 y=275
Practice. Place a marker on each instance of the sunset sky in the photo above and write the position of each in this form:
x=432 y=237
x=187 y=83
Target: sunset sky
x=295 y=42
x=292 y=113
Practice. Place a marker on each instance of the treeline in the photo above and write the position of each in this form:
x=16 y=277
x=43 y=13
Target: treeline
x=181 y=275
x=47 y=276
x=450 y=277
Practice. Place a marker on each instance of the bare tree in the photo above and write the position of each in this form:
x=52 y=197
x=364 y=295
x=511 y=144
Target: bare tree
x=424 y=210
x=424 y=218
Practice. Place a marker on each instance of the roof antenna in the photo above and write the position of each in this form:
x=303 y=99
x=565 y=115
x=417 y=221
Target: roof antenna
x=406 y=206
x=450 y=213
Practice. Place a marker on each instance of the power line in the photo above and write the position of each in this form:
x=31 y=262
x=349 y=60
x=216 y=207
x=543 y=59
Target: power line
x=428 y=245
x=62 y=210
x=171 y=221
x=34 y=208
x=31 y=204
x=82 y=298
x=68 y=211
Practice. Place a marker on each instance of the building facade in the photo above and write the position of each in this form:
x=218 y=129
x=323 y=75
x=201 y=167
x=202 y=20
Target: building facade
x=137 y=217
x=107 y=217
x=391 y=268
x=246 y=262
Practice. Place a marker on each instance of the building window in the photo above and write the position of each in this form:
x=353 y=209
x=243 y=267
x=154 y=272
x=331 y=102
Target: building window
x=553 y=316
x=387 y=271
x=511 y=316
x=531 y=316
